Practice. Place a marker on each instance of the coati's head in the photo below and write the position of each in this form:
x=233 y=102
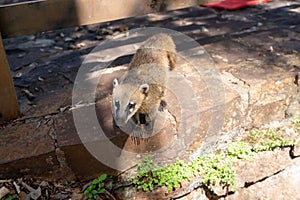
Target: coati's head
x=127 y=99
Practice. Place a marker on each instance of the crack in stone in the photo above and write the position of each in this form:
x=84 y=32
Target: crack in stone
x=192 y=186
x=59 y=153
x=244 y=92
x=292 y=153
x=295 y=99
x=52 y=131
x=248 y=184
x=296 y=81
x=37 y=116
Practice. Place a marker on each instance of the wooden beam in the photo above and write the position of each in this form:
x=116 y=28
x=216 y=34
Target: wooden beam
x=9 y=108
x=28 y=18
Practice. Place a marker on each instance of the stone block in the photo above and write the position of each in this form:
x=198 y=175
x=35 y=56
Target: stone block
x=26 y=148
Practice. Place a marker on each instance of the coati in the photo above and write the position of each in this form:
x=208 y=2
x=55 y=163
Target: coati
x=138 y=95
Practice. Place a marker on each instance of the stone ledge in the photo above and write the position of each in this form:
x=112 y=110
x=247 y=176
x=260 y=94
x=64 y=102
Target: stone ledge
x=282 y=185
x=245 y=104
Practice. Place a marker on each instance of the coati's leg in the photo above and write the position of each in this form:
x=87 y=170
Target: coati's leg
x=137 y=132
x=146 y=121
x=136 y=129
x=150 y=118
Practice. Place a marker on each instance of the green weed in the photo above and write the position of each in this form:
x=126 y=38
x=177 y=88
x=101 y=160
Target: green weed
x=96 y=188
x=11 y=197
x=296 y=121
x=214 y=170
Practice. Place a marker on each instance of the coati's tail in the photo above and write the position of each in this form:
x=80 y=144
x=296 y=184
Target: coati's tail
x=168 y=44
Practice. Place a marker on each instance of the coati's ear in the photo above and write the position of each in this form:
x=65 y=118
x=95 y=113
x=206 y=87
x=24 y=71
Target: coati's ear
x=115 y=82
x=144 y=88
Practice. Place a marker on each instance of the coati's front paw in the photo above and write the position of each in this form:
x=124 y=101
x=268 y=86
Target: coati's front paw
x=162 y=105
x=137 y=132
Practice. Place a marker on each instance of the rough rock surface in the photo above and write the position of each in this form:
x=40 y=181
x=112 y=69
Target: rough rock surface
x=256 y=51
x=266 y=163
x=282 y=185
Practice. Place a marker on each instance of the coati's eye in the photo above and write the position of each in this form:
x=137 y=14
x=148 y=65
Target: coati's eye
x=131 y=106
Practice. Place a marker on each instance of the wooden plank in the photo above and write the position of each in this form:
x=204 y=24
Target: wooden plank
x=38 y=16
x=9 y=108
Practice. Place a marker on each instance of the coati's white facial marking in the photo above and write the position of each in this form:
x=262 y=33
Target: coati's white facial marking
x=117 y=105
x=127 y=100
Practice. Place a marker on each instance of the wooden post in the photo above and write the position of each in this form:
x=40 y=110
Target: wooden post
x=9 y=108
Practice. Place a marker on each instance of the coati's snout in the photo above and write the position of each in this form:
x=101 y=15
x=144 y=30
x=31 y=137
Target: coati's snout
x=127 y=100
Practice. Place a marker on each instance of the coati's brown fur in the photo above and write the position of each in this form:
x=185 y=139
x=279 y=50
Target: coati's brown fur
x=140 y=91
x=159 y=49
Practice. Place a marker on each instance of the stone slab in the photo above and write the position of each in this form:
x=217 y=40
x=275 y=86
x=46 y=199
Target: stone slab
x=283 y=185
x=26 y=148
x=264 y=164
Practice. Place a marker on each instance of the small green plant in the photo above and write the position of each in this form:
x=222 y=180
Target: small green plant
x=215 y=169
x=173 y=175
x=96 y=188
x=145 y=171
x=269 y=139
x=150 y=176
x=257 y=135
x=11 y=197
x=240 y=150
x=66 y=183
x=296 y=121
x=270 y=146
x=296 y=125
